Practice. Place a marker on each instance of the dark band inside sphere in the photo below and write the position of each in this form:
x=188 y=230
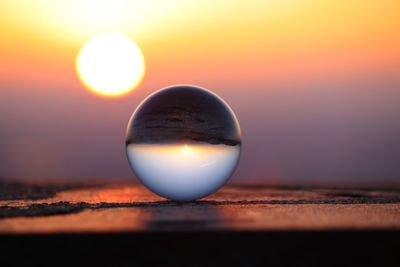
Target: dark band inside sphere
x=183 y=114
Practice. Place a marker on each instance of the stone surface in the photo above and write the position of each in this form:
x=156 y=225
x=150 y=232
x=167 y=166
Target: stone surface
x=131 y=208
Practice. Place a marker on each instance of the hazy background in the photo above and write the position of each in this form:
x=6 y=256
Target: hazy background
x=315 y=85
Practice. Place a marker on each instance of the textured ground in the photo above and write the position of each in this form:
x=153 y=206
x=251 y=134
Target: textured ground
x=131 y=208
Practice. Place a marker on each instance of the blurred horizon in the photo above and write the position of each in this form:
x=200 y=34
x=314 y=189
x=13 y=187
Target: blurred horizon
x=315 y=85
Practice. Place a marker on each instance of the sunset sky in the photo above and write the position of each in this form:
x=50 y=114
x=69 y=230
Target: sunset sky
x=314 y=84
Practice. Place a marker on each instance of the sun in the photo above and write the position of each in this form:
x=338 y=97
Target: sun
x=186 y=150
x=110 y=64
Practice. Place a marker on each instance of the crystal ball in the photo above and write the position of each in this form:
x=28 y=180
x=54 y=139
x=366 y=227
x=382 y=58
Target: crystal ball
x=183 y=142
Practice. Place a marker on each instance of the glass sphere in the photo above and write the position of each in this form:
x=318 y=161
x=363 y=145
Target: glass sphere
x=183 y=142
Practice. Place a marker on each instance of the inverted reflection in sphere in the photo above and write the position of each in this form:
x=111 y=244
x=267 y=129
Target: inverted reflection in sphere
x=183 y=142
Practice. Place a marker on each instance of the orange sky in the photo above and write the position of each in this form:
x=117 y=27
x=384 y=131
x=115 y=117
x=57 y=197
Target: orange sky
x=303 y=76
x=204 y=41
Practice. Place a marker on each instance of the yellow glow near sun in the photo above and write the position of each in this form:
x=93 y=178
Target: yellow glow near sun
x=186 y=150
x=110 y=64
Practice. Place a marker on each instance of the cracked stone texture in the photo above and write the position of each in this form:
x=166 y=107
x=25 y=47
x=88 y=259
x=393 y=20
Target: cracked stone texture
x=132 y=208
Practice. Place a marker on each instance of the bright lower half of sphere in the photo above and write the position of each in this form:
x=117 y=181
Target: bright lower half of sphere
x=110 y=64
x=183 y=172
x=183 y=142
